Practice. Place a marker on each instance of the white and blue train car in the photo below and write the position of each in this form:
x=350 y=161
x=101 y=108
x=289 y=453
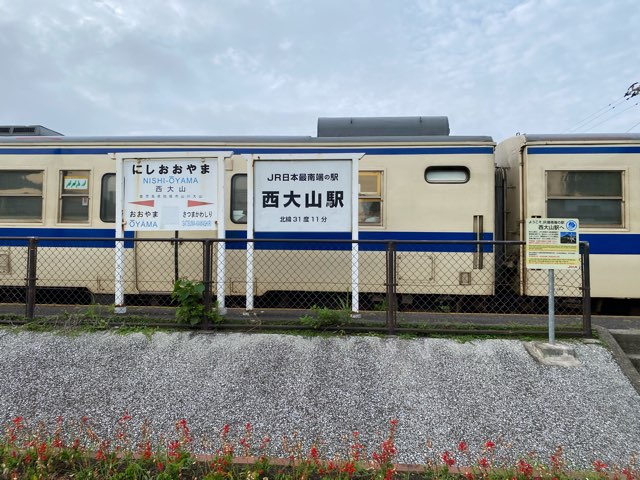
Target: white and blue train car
x=591 y=177
x=416 y=182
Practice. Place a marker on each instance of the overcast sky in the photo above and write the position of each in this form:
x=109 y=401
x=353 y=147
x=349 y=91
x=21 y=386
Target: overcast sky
x=272 y=67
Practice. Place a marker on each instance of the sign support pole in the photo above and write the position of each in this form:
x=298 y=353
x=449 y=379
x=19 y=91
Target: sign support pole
x=250 y=236
x=355 y=272
x=222 y=235
x=119 y=233
x=552 y=318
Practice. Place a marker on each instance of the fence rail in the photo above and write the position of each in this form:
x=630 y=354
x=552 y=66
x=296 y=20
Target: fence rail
x=392 y=276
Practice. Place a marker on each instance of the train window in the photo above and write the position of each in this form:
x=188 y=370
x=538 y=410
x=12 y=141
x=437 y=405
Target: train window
x=108 y=198
x=74 y=196
x=593 y=197
x=239 y=198
x=21 y=195
x=370 y=198
x=446 y=174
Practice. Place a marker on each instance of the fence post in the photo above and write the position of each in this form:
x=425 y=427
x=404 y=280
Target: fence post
x=206 y=279
x=391 y=288
x=586 y=290
x=32 y=256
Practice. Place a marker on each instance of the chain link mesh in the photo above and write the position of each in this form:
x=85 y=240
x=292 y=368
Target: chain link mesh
x=422 y=276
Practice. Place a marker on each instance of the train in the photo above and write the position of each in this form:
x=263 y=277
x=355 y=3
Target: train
x=416 y=182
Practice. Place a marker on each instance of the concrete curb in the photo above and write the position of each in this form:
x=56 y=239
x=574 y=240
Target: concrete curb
x=620 y=357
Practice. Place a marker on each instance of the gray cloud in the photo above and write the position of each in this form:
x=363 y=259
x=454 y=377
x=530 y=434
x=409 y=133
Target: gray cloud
x=272 y=67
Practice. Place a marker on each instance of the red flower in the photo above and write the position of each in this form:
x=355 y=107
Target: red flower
x=463 y=447
x=147 y=453
x=484 y=463
x=174 y=449
x=349 y=468
x=469 y=475
x=314 y=453
x=489 y=445
x=448 y=459
x=599 y=466
x=525 y=468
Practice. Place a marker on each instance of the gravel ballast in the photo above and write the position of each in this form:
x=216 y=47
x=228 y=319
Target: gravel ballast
x=439 y=390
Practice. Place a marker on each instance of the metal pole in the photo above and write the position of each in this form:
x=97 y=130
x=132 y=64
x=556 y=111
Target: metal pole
x=586 y=291
x=221 y=257
x=206 y=279
x=552 y=318
x=355 y=236
x=119 y=266
x=391 y=288
x=176 y=265
x=32 y=257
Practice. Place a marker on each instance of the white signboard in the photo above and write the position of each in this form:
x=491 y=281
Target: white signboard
x=553 y=243
x=170 y=194
x=302 y=196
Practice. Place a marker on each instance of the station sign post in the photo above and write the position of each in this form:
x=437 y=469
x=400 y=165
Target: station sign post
x=303 y=193
x=169 y=191
x=552 y=244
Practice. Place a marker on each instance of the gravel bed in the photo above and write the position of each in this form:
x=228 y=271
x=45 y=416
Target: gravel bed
x=440 y=391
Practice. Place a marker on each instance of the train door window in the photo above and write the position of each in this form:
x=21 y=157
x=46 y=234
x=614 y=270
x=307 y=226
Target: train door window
x=593 y=197
x=21 y=195
x=239 y=198
x=74 y=196
x=108 y=198
x=370 y=198
x=446 y=174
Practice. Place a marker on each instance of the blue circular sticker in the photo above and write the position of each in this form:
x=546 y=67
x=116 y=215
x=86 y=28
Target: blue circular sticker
x=571 y=225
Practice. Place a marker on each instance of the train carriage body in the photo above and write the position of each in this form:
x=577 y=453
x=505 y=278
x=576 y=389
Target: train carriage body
x=425 y=185
x=589 y=177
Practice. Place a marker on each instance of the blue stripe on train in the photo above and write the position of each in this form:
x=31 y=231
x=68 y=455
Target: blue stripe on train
x=377 y=236
x=574 y=150
x=612 y=243
x=600 y=243
x=63 y=232
x=255 y=150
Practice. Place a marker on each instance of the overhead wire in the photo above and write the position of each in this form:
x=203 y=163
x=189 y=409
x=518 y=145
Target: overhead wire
x=597 y=114
x=613 y=116
x=632 y=91
x=632 y=127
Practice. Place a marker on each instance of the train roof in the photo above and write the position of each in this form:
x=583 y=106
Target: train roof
x=248 y=140
x=26 y=130
x=331 y=130
x=581 y=137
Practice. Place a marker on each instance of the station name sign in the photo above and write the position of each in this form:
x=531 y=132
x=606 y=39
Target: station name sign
x=305 y=196
x=170 y=194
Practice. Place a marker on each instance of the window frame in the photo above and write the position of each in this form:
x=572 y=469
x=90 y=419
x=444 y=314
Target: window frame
x=445 y=168
x=104 y=206
x=41 y=196
x=62 y=195
x=621 y=198
x=370 y=197
x=232 y=198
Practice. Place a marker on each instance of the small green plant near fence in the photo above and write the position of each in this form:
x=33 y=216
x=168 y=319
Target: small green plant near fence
x=323 y=317
x=190 y=298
